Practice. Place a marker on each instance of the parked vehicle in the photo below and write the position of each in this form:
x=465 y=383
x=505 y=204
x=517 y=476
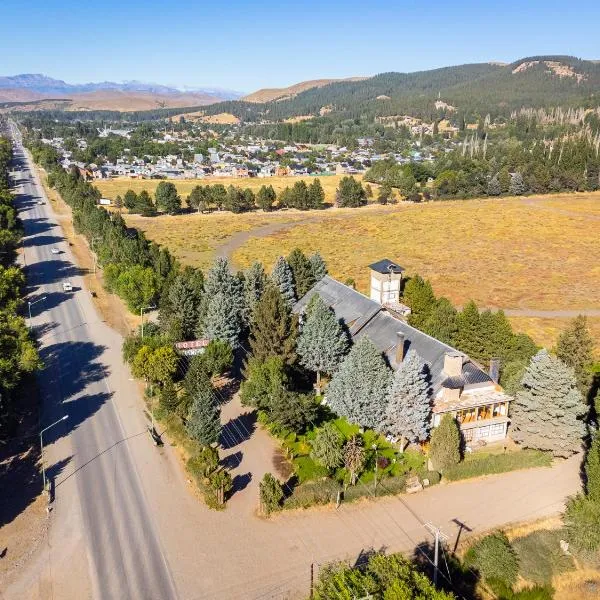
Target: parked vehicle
x=67 y=287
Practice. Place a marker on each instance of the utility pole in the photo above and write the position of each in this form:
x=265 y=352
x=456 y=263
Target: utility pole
x=375 y=448
x=438 y=535
x=30 y=304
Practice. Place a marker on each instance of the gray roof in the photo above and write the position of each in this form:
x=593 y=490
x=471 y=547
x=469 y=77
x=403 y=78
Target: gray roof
x=365 y=317
x=386 y=266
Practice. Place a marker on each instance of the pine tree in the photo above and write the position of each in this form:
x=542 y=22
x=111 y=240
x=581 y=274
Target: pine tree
x=318 y=266
x=183 y=308
x=350 y=193
x=494 y=188
x=322 y=342
x=274 y=329
x=118 y=203
x=283 y=278
x=255 y=280
x=266 y=197
x=169 y=399
x=419 y=296
x=445 y=444
x=327 y=446
x=359 y=387
x=203 y=422
x=408 y=411
x=301 y=271
x=592 y=469
x=442 y=322
x=144 y=204
x=469 y=337
x=316 y=195
x=548 y=413
x=130 y=200
x=222 y=320
x=166 y=197
x=575 y=347
x=220 y=280
x=271 y=494
x=517 y=185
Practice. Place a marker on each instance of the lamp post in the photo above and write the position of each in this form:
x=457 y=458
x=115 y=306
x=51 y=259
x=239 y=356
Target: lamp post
x=93 y=253
x=30 y=304
x=142 y=316
x=374 y=446
x=42 y=446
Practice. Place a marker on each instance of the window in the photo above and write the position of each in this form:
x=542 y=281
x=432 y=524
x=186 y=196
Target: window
x=468 y=435
x=499 y=409
x=483 y=431
x=497 y=429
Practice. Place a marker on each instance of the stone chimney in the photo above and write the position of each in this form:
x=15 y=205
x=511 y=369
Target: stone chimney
x=453 y=364
x=400 y=347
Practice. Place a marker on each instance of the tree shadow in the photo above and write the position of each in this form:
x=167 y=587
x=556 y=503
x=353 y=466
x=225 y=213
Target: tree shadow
x=232 y=461
x=238 y=430
x=51 y=271
x=239 y=483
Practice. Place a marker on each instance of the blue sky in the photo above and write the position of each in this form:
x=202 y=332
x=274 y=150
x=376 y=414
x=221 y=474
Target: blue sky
x=246 y=45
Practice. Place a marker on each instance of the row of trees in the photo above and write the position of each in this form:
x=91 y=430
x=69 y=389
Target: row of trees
x=18 y=352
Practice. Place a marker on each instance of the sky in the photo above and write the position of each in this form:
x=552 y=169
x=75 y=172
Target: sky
x=247 y=45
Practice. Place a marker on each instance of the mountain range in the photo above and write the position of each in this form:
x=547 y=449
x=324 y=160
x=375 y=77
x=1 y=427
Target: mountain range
x=128 y=95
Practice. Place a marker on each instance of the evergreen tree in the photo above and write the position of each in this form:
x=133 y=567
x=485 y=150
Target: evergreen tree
x=318 y=266
x=263 y=381
x=130 y=200
x=444 y=450
x=470 y=338
x=274 y=329
x=408 y=411
x=144 y=205
x=182 y=310
x=222 y=320
x=592 y=469
x=301 y=272
x=575 y=347
x=203 y=422
x=359 y=387
x=169 y=399
x=419 y=296
x=255 y=280
x=442 y=322
x=220 y=279
x=283 y=278
x=548 y=413
x=271 y=494
x=166 y=197
x=322 y=342
x=299 y=196
x=327 y=446
x=118 y=203
x=517 y=185
x=266 y=197
x=292 y=411
x=385 y=193
x=494 y=188
x=316 y=195
x=368 y=191
x=350 y=193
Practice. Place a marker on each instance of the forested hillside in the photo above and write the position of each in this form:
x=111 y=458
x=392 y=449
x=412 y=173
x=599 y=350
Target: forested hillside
x=473 y=89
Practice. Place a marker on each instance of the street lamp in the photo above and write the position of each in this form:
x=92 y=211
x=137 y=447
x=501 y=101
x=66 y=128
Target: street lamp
x=374 y=446
x=30 y=304
x=142 y=316
x=42 y=446
x=93 y=253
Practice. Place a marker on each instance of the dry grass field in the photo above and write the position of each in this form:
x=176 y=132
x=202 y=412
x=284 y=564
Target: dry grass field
x=528 y=253
x=110 y=188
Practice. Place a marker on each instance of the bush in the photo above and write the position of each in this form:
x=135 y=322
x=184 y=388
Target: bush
x=581 y=520
x=494 y=558
x=218 y=357
x=433 y=477
x=540 y=556
x=477 y=464
x=313 y=493
x=271 y=494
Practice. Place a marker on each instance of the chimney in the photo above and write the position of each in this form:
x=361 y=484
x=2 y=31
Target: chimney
x=453 y=364
x=494 y=371
x=400 y=348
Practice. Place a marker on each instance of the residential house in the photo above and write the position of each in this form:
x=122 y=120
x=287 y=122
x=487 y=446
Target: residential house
x=459 y=385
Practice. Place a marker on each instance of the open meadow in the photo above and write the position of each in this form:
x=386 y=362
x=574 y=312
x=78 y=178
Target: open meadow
x=537 y=253
x=110 y=188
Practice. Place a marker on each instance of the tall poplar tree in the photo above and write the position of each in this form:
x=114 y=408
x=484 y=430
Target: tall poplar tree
x=322 y=343
x=575 y=346
x=359 y=387
x=408 y=411
x=548 y=414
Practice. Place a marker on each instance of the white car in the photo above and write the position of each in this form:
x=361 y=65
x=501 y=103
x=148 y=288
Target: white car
x=67 y=287
x=55 y=250
x=40 y=202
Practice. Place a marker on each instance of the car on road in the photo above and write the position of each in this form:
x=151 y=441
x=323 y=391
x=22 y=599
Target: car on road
x=40 y=202
x=67 y=287
x=55 y=250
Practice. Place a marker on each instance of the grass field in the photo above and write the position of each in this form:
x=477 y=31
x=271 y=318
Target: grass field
x=110 y=188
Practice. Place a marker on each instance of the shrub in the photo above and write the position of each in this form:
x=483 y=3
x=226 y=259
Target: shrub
x=581 y=520
x=218 y=357
x=271 y=494
x=327 y=446
x=494 y=558
x=540 y=556
x=312 y=493
x=477 y=464
x=445 y=444
x=433 y=477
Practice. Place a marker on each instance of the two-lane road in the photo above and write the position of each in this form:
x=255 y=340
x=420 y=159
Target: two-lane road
x=101 y=520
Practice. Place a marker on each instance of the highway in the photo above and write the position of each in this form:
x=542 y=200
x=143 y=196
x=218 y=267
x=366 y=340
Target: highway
x=101 y=528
